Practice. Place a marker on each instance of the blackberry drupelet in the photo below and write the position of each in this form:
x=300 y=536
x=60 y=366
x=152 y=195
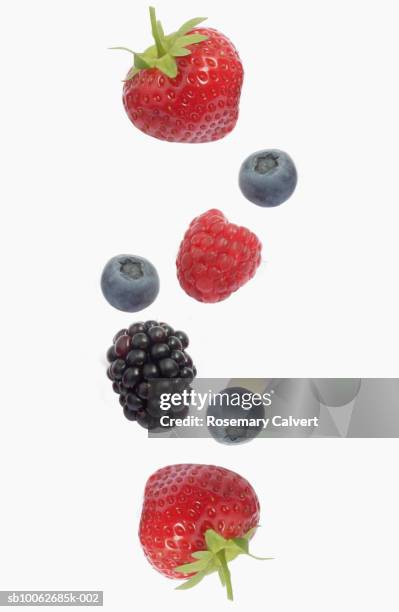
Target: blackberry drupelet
x=146 y=360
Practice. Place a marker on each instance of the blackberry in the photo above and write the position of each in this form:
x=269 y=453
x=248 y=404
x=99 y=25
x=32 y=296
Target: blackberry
x=145 y=361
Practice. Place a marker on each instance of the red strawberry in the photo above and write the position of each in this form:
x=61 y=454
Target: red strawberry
x=195 y=519
x=186 y=88
x=216 y=257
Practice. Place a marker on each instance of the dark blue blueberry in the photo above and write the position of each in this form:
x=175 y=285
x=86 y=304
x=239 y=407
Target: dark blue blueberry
x=129 y=283
x=235 y=403
x=268 y=178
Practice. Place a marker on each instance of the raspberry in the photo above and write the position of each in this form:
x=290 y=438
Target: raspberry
x=216 y=257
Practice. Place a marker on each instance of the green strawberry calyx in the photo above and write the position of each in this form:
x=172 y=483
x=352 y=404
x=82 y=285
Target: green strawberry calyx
x=216 y=559
x=167 y=48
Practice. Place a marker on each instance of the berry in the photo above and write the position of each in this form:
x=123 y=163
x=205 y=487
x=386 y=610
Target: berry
x=174 y=343
x=121 y=332
x=190 y=508
x=187 y=87
x=182 y=337
x=136 y=357
x=157 y=334
x=216 y=257
x=187 y=373
x=160 y=351
x=111 y=355
x=149 y=324
x=179 y=357
x=136 y=328
x=129 y=283
x=141 y=368
x=122 y=345
x=169 y=330
x=169 y=368
x=235 y=403
x=150 y=370
x=130 y=377
x=117 y=368
x=268 y=178
x=140 y=341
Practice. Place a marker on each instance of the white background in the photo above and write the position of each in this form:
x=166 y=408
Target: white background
x=79 y=185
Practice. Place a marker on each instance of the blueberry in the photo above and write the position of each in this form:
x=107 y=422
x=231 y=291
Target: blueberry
x=268 y=178
x=129 y=283
x=235 y=403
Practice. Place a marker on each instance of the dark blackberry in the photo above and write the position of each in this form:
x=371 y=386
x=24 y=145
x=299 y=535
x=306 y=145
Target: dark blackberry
x=148 y=360
x=131 y=415
x=116 y=387
x=131 y=377
x=157 y=334
x=183 y=338
x=149 y=324
x=117 y=368
x=136 y=328
x=140 y=341
x=111 y=355
x=150 y=370
x=159 y=351
x=179 y=357
x=187 y=373
x=121 y=332
x=174 y=343
x=168 y=368
x=169 y=330
x=122 y=346
x=136 y=357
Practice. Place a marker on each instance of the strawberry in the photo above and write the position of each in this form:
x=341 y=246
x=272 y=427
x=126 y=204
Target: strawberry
x=187 y=87
x=195 y=519
x=216 y=257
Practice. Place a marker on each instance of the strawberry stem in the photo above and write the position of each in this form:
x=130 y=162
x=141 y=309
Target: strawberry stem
x=215 y=558
x=167 y=49
x=155 y=33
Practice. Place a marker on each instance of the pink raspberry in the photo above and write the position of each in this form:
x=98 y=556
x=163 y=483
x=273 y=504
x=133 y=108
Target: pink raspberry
x=216 y=257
